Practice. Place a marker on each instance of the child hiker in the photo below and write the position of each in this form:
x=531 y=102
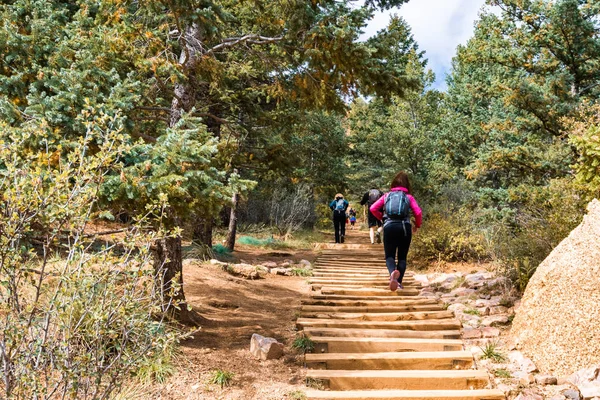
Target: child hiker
x=394 y=209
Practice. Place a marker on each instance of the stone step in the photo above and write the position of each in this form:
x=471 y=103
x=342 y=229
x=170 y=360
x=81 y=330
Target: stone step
x=481 y=394
x=387 y=301
x=329 y=344
x=314 y=332
x=425 y=325
x=433 y=360
x=327 y=290
x=400 y=380
x=382 y=316
x=371 y=309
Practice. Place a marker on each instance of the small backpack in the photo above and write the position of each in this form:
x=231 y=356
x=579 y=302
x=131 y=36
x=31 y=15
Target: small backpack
x=339 y=207
x=397 y=206
x=374 y=195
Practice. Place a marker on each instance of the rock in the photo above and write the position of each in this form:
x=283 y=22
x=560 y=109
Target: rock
x=585 y=375
x=485 y=311
x=495 y=320
x=470 y=334
x=489 y=332
x=557 y=322
x=462 y=292
x=306 y=263
x=285 y=264
x=264 y=348
x=558 y=397
x=217 y=262
x=589 y=390
x=244 y=270
x=543 y=379
x=422 y=279
x=525 y=364
x=280 y=271
x=495 y=310
x=457 y=307
x=270 y=264
x=476 y=351
x=526 y=379
x=571 y=394
x=529 y=395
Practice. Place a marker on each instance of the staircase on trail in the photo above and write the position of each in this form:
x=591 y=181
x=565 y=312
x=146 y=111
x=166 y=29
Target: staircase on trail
x=371 y=343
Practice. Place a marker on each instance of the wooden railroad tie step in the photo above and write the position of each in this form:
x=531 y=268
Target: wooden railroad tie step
x=400 y=380
x=434 y=360
x=481 y=394
x=398 y=296
x=381 y=333
x=329 y=344
x=368 y=302
x=425 y=325
x=383 y=316
x=371 y=309
x=326 y=290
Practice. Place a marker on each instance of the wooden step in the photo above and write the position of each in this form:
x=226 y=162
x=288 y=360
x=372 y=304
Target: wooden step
x=367 y=292
x=391 y=360
x=481 y=394
x=426 y=325
x=328 y=344
x=353 y=275
x=381 y=333
x=387 y=301
x=371 y=309
x=366 y=278
x=341 y=280
x=320 y=286
x=383 y=316
x=400 y=380
x=333 y=297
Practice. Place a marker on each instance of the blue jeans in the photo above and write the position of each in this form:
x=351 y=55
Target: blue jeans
x=396 y=240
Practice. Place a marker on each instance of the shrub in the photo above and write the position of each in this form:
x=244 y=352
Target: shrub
x=77 y=315
x=303 y=344
x=491 y=352
x=301 y=272
x=221 y=377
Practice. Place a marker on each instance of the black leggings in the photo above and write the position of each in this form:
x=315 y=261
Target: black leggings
x=396 y=238
x=339 y=223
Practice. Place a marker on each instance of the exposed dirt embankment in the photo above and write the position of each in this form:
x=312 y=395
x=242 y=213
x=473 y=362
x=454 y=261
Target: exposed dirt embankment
x=558 y=323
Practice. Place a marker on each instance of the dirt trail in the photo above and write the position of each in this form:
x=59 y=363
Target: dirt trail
x=371 y=343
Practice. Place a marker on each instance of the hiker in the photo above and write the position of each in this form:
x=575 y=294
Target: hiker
x=394 y=209
x=339 y=206
x=352 y=215
x=369 y=198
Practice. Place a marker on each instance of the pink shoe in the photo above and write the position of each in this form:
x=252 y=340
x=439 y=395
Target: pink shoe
x=394 y=280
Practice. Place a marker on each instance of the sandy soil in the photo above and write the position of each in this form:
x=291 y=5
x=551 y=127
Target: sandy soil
x=234 y=309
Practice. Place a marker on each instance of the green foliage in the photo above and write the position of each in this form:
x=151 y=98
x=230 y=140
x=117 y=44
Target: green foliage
x=491 y=352
x=296 y=395
x=303 y=344
x=221 y=250
x=221 y=377
x=585 y=136
x=86 y=313
x=301 y=272
x=472 y=311
x=502 y=373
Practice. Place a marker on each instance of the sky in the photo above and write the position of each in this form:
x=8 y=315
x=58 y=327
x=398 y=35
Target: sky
x=438 y=27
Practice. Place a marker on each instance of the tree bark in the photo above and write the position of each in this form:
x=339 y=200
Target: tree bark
x=168 y=265
x=233 y=222
x=202 y=234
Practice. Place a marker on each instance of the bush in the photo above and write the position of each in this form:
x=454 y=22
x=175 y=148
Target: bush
x=77 y=316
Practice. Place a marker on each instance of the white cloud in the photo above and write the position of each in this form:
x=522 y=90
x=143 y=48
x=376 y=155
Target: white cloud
x=438 y=27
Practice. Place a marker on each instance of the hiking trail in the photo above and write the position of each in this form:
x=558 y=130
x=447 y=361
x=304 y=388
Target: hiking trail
x=371 y=343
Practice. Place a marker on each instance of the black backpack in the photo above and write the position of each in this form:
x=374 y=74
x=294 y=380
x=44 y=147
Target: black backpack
x=397 y=206
x=374 y=195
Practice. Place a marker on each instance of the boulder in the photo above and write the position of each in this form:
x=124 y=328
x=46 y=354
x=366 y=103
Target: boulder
x=489 y=332
x=544 y=379
x=524 y=363
x=470 y=334
x=306 y=263
x=269 y=264
x=571 y=394
x=495 y=320
x=557 y=322
x=529 y=395
x=587 y=381
x=265 y=348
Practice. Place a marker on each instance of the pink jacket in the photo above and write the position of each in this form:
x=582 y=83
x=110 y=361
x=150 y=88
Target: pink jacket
x=377 y=207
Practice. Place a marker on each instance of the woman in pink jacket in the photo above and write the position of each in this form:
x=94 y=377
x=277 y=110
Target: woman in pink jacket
x=394 y=209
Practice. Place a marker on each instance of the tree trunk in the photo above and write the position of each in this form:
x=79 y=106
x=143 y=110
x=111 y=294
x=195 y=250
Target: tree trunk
x=168 y=265
x=233 y=222
x=202 y=234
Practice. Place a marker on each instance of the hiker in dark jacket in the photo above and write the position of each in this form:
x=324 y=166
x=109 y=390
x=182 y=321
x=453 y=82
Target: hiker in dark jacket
x=339 y=206
x=368 y=199
x=395 y=209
